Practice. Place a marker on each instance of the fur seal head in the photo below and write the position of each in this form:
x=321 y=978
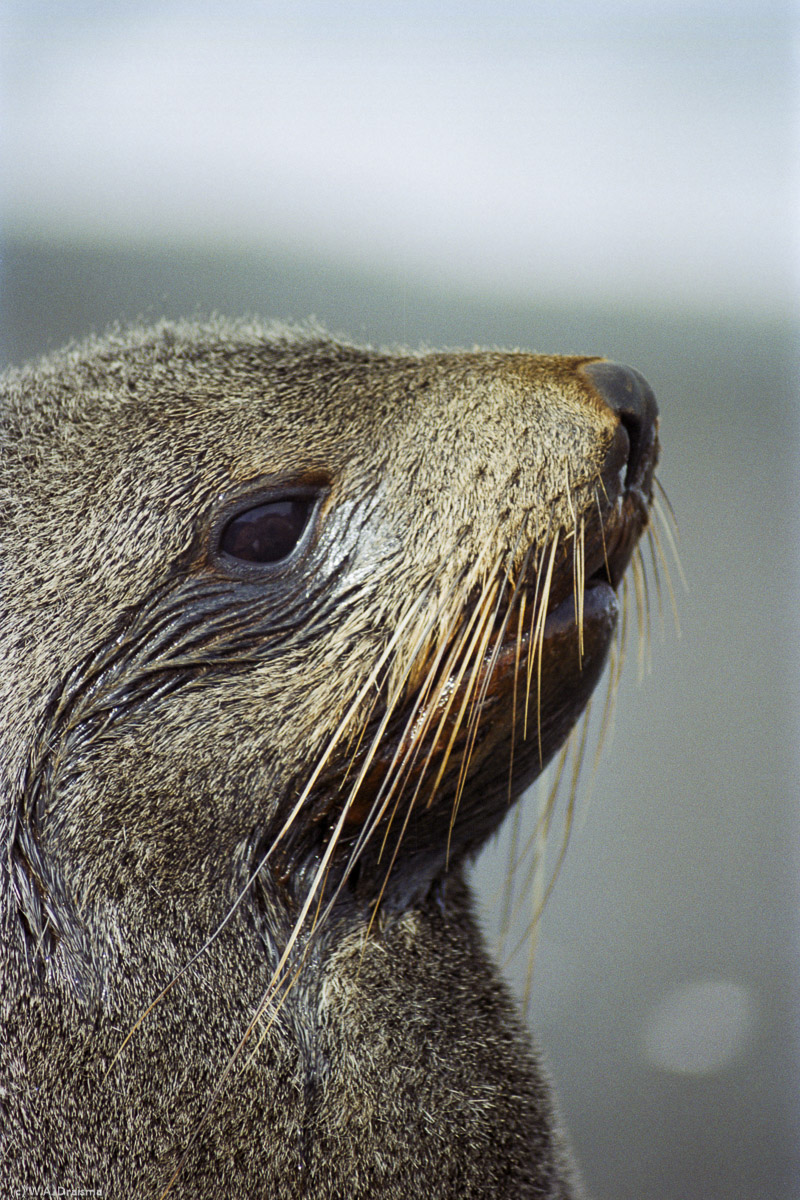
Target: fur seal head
x=288 y=621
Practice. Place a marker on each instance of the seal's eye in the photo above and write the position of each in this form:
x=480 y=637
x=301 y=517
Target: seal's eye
x=267 y=533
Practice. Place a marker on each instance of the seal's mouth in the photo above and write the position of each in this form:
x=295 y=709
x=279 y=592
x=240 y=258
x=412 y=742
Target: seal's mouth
x=477 y=726
x=590 y=570
x=578 y=599
x=550 y=666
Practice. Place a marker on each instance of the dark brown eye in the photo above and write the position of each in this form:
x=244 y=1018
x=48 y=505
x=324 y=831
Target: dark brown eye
x=267 y=533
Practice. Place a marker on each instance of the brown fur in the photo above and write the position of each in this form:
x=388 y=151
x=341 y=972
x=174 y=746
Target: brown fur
x=162 y=723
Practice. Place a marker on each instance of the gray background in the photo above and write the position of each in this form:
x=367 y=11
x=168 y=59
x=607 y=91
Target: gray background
x=614 y=180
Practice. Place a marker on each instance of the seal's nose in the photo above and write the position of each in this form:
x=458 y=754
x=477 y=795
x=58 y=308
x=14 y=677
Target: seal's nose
x=629 y=395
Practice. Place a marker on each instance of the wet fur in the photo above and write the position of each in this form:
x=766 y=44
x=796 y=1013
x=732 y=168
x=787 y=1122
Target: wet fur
x=183 y=755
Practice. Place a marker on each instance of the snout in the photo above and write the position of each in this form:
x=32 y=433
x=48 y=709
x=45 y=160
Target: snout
x=628 y=394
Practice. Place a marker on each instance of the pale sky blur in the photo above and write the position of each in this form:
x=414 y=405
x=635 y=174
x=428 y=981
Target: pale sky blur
x=636 y=151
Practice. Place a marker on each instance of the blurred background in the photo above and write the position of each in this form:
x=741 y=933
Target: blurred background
x=613 y=178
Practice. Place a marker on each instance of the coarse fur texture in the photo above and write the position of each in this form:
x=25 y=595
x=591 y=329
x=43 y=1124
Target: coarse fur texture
x=238 y=954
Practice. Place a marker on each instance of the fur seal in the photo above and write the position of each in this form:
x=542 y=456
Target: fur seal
x=286 y=623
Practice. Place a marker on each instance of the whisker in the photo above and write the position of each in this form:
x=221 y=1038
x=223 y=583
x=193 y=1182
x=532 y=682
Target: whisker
x=624 y=626
x=638 y=583
x=462 y=654
x=667 y=502
x=601 y=523
x=359 y=739
x=573 y=534
x=478 y=702
x=472 y=725
x=517 y=657
x=535 y=844
x=538 y=640
x=568 y=823
x=550 y=789
x=656 y=541
x=657 y=580
x=670 y=536
x=480 y=636
x=606 y=731
x=640 y=572
x=580 y=574
x=508 y=888
x=534 y=614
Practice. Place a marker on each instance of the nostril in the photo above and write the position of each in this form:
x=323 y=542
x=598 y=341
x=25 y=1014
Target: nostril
x=633 y=427
x=629 y=395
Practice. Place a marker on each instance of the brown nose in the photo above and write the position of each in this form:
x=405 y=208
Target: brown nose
x=629 y=395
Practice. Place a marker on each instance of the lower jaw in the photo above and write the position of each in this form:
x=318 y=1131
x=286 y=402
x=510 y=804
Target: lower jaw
x=600 y=607
x=561 y=683
x=567 y=683
x=560 y=694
